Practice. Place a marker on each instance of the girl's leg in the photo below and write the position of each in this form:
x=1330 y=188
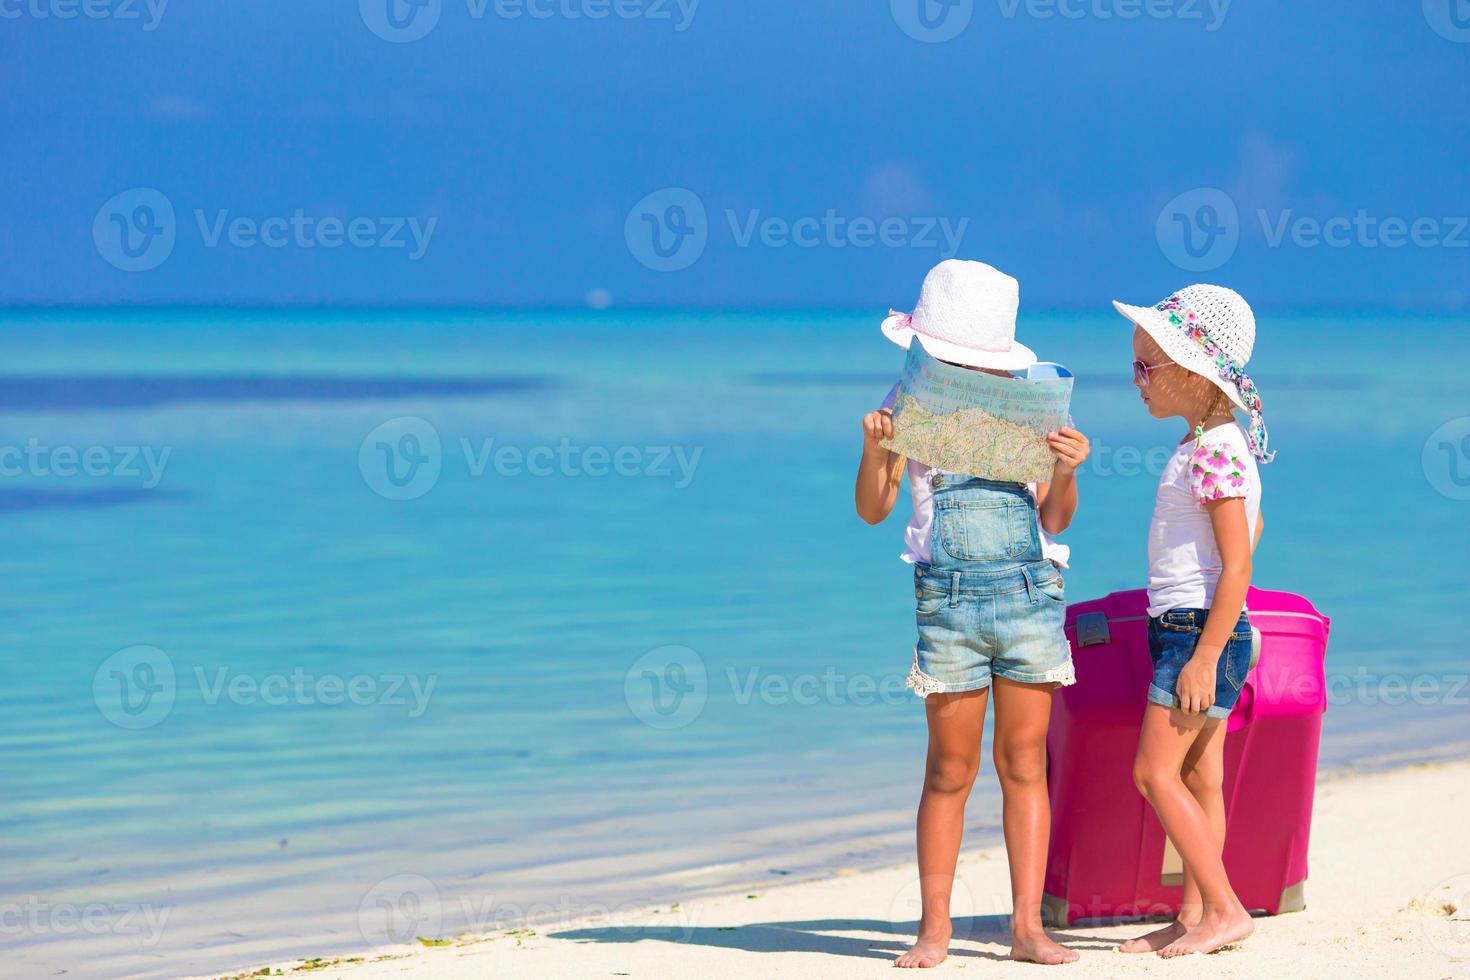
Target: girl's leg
x=1204 y=775
x=956 y=725
x=1167 y=737
x=1022 y=712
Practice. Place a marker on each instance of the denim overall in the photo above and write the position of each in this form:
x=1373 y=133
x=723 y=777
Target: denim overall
x=988 y=602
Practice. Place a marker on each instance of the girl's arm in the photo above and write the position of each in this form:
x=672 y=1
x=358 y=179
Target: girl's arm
x=1233 y=537
x=879 y=469
x=1056 y=501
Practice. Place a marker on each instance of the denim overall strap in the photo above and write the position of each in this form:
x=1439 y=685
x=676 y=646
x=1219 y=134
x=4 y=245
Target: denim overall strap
x=982 y=526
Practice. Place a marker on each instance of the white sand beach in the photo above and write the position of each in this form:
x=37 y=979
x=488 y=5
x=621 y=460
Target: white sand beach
x=1388 y=896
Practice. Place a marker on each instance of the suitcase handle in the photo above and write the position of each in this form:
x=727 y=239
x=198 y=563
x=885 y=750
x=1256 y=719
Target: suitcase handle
x=1092 y=629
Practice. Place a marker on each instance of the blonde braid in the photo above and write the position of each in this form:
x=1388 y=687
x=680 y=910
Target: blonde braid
x=1199 y=430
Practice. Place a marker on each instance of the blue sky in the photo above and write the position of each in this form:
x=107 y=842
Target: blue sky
x=834 y=156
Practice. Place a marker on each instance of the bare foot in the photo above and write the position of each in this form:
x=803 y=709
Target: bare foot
x=928 y=951
x=1215 y=931
x=1038 y=947
x=1152 y=942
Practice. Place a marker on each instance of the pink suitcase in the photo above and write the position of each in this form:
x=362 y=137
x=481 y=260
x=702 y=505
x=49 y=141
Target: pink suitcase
x=1109 y=858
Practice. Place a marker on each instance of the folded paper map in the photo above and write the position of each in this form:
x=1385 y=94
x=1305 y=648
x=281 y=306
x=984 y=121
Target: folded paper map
x=978 y=424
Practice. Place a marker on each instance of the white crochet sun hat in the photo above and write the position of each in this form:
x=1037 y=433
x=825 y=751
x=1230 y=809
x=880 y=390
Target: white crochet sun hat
x=1196 y=316
x=966 y=315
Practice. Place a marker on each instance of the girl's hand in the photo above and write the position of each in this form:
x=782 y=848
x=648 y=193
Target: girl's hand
x=1196 y=687
x=877 y=426
x=1071 y=449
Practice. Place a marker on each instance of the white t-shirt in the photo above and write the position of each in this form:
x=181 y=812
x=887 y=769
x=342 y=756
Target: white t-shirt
x=1183 y=560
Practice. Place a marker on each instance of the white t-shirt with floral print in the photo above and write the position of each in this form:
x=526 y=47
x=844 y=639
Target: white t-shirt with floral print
x=1183 y=561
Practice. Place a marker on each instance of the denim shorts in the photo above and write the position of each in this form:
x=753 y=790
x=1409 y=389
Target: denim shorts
x=978 y=623
x=1172 y=638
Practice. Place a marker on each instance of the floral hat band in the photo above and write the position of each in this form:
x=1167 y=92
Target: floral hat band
x=1226 y=366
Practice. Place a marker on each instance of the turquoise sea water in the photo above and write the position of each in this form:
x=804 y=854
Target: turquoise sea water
x=255 y=707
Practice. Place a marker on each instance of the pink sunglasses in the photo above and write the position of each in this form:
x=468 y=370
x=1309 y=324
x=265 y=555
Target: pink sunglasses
x=1141 y=371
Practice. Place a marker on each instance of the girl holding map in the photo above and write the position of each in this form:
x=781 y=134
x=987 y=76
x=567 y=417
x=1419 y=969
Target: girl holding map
x=990 y=608
x=1191 y=352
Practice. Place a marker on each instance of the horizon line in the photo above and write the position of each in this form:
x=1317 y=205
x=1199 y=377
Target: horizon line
x=348 y=307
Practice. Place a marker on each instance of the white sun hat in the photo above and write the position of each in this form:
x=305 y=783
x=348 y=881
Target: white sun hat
x=1221 y=315
x=1210 y=331
x=966 y=315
